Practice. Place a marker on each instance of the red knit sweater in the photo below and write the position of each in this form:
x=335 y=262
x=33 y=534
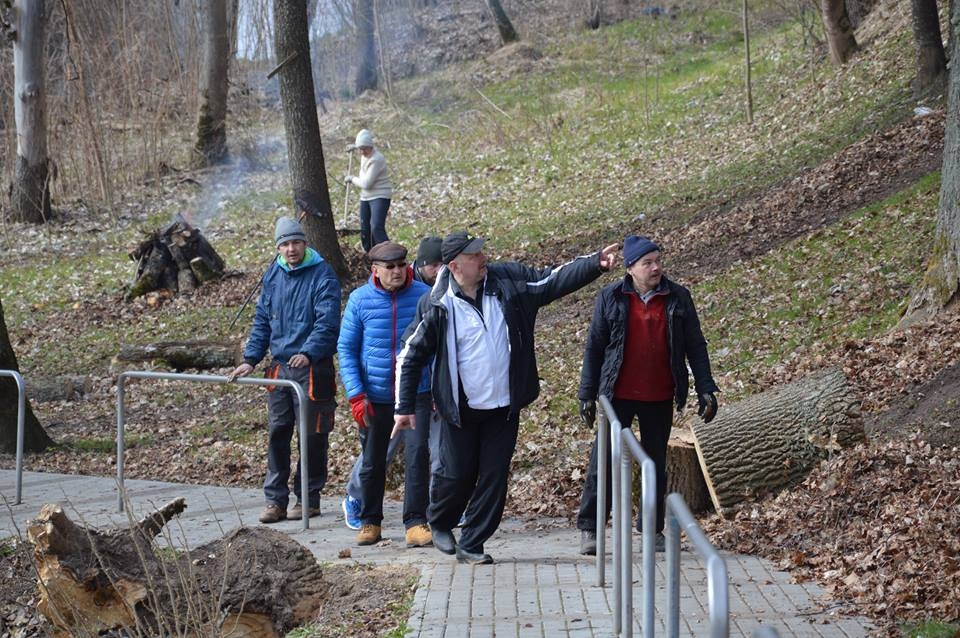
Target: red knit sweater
x=645 y=373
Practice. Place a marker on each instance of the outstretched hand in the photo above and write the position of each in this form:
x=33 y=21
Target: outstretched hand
x=608 y=257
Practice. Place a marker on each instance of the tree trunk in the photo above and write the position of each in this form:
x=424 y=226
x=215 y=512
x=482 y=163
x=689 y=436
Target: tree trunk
x=212 y=119
x=35 y=439
x=366 y=48
x=941 y=281
x=30 y=192
x=308 y=171
x=507 y=33
x=594 y=13
x=254 y=582
x=931 y=58
x=772 y=440
x=839 y=30
x=180 y=355
x=683 y=471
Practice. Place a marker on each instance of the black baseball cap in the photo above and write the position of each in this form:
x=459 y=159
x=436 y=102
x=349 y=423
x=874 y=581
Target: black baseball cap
x=459 y=242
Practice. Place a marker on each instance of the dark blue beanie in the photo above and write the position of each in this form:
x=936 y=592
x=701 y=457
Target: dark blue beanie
x=635 y=247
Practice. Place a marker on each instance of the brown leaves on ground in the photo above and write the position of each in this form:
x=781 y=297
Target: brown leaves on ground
x=878 y=525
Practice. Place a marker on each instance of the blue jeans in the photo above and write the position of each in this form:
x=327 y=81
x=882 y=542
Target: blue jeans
x=372 y=474
x=282 y=411
x=373 y=222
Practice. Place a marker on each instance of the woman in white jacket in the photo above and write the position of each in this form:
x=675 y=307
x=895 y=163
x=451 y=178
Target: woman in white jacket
x=375 y=191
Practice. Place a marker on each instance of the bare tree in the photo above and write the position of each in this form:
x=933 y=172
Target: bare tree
x=931 y=57
x=507 y=33
x=940 y=286
x=304 y=146
x=839 y=30
x=30 y=191
x=35 y=439
x=212 y=119
x=366 y=47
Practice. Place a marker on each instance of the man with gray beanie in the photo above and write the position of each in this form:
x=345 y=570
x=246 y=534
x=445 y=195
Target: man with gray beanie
x=643 y=332
x=297 y=319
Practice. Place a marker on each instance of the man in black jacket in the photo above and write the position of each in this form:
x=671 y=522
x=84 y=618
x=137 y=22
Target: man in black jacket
x=643 y=332
x=478 y=321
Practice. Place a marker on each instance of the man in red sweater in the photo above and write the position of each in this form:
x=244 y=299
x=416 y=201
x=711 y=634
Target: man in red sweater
x=643 y=332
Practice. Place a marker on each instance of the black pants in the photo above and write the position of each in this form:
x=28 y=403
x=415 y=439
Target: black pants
x=373 y=222
x=473 y=466
x=655 y=419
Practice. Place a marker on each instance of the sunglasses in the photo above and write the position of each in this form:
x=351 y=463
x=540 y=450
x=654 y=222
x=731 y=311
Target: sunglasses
x=392 y=265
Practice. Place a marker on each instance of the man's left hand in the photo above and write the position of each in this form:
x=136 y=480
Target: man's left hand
x=403 y=422
x=299 y=361
x=608 y=257
x=708 y=406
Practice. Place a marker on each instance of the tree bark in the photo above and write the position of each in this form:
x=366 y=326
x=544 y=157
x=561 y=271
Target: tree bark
x=839 y=30
x=65 y=387
x=304 y=147
x=35 y=439
x=30 y=192
x=772 y=440
x=594 y=14
x=508 y=34
x=180 y=355
x=683 y=471
x=212 y=119
x=941 y=281
x=254 y=582
x=366 y=79
x=931 y=57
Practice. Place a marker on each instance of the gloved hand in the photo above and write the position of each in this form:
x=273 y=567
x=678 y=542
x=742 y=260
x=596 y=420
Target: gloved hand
x=588 y=412
x=361 y=409
x=348 y=179
x=708 y=406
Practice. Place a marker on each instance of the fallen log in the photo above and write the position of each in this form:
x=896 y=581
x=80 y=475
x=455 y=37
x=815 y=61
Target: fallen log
x=181 y=355
x=65 y=387
x=253 y=583
x=772 y=440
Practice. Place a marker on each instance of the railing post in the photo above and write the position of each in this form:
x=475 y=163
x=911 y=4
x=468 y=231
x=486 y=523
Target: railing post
x=648 y=475
x=21 y=424
x=626 y=533
x=615 y=457
x=603 y=465
x=202 y=378
x=673 y=572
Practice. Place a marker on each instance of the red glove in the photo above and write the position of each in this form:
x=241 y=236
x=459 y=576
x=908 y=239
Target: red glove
x=361 y=409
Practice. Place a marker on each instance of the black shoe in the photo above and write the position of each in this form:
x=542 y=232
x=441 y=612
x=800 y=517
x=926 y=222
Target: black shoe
x=472 y=558
x=588 y=542
x=660 y=544
x=444 y=540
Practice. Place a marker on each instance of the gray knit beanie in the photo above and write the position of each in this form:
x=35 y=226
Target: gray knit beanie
x=287 y=230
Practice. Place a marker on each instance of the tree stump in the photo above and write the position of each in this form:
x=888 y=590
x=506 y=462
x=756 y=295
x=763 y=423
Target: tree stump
x=181 y=355
x=772 y=440
x=254 y=582
x=177 y=258
x=683 y=471
x=65 y=387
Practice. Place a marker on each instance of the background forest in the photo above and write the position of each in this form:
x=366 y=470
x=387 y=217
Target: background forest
x=800 y=202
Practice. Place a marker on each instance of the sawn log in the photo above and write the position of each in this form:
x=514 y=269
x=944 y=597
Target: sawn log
x=181 y=355
x=772 y=440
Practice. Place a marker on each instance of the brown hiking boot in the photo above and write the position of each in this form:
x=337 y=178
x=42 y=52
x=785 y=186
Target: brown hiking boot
x=368 y=534
x=272 y=514
x=296 y=512
x=419 y=536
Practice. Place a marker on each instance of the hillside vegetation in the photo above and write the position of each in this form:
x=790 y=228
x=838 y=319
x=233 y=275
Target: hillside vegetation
x=800 y=236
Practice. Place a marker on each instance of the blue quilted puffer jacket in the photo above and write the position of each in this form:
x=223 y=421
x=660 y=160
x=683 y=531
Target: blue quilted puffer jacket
x=370 y=331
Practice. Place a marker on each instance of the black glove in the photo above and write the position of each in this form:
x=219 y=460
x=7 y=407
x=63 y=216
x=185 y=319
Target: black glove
x=708 y=406
x=588 y=412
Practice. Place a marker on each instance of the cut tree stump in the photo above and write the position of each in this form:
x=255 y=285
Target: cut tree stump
x=683 y=471
x=66 y=387
x=253 y=583
x=177 y=258
x=181 y=355
x=772 y=440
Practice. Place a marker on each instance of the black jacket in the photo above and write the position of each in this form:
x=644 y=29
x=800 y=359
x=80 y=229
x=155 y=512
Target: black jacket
x=521 y=291
x=603 y=355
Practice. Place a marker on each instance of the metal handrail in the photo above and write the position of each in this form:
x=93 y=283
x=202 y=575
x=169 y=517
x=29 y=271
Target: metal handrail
x=623 y=438
x=207 y=378
x=718 y=592
x=21 y=416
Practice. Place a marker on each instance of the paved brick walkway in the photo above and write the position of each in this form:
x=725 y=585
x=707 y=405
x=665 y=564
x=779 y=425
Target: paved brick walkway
x=540 y=585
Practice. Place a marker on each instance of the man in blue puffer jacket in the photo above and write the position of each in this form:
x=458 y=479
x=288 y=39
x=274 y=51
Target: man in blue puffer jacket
x=376 y=316
x=297 y=318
